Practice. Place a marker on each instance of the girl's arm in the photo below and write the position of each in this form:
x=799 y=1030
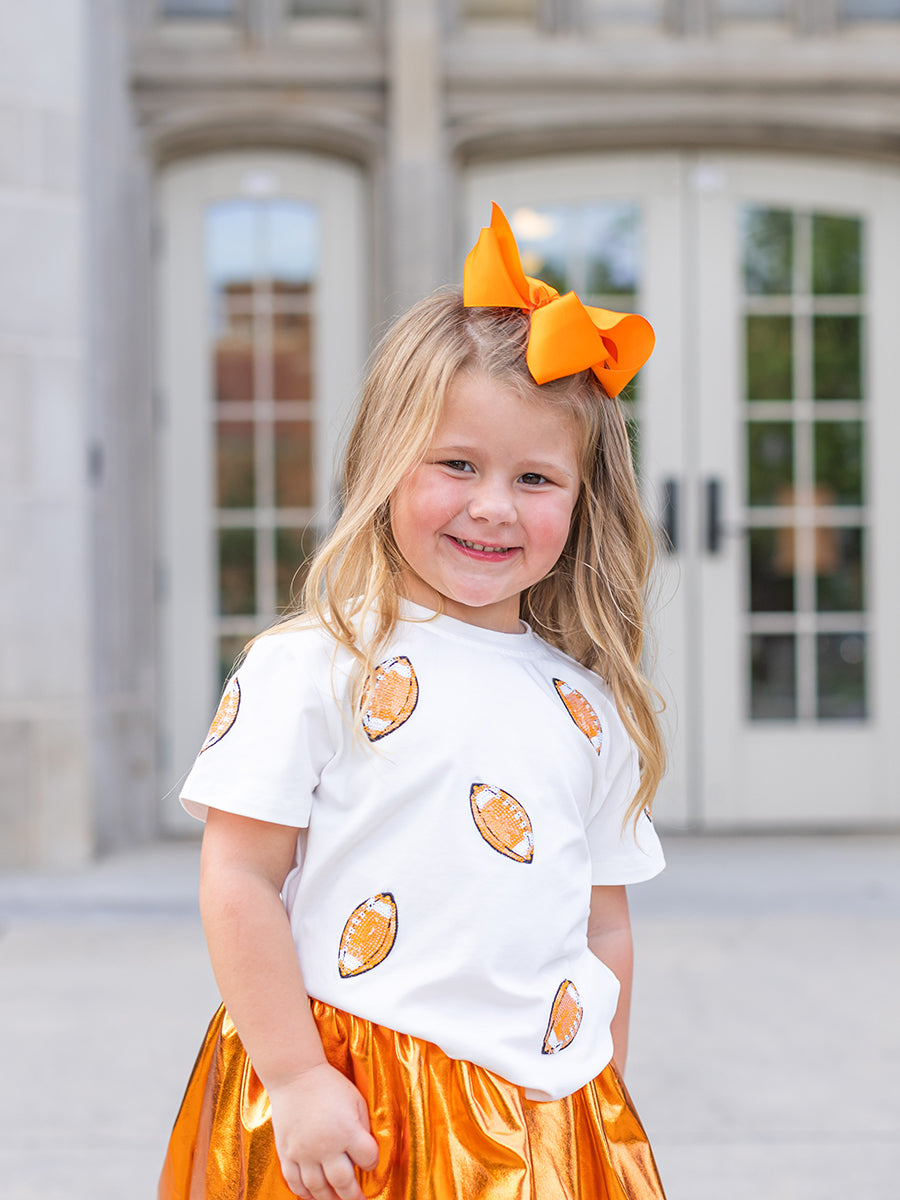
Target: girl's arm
x=609 y=937
x=320 y=1119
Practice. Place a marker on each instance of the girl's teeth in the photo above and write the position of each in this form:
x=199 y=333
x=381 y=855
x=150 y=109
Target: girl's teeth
x=478 y=546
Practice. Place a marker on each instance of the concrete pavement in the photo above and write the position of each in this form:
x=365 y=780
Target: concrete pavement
x=765 y=1054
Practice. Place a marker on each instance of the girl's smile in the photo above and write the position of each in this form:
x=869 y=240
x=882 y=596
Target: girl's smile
x=487 y=513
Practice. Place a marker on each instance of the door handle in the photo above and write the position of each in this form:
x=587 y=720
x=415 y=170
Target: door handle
x=713 y=528
x=669 y=523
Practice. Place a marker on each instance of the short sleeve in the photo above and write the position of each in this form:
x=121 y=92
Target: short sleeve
x=270 y=738
x=622 y=850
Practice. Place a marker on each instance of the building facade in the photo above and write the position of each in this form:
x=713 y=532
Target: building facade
x=209 y=208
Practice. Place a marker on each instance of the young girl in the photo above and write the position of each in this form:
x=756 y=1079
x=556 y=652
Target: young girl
x=424 y=795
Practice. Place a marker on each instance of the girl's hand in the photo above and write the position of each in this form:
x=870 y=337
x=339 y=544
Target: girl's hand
x=321 y=1130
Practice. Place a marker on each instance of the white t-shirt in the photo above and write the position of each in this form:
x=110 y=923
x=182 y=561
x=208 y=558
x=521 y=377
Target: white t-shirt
x=446 y=855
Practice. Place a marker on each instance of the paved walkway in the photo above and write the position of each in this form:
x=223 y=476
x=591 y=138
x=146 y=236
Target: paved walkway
x=766 y=1040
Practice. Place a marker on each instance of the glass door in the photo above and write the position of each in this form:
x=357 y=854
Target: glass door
x=795 y=393
x=763 y=431
x=262 y=338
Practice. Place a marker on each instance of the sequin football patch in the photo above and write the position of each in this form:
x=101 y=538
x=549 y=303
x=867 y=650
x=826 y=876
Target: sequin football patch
x=368 y=936
x=389 y=697
x=581 y=713
x=226 y=714
x=502 y=822
x=565 y=1018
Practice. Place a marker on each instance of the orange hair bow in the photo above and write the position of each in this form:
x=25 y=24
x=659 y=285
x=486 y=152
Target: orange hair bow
x=566 y=336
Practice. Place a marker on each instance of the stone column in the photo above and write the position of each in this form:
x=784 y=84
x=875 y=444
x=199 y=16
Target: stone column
x=45 y=769
x=419 y=179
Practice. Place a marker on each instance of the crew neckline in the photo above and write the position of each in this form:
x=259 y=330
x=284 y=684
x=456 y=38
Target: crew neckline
x=428 y=618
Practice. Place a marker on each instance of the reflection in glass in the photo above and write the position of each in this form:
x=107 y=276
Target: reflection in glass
x=771 y=570
x=327 y=8
x=837 y=243
x=839 y=462
x=237 y=572
x=293 y=464
x=499 y=9
x=292 y=343
x=752 y=10
x=611 y=249
x=235 y=466
x=869 y=10
x=841 y=662
x=837 y=358
x=839 y=570
x=542 y=237
x=773 y=677
x=769 y=358
x=623 y=12
x=198 y=8
x=770 y=461
x=293 y=550
x=291 y=241
x=768 y=251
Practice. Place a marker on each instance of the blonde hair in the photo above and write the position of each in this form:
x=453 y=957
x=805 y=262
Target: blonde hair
x=591 y=605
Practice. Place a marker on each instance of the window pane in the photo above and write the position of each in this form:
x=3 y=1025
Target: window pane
x=769 y=358
x=293 y=464
x=771 y=570
x=773 y=677
x=841 y=661
x=611 y=248
x=237 y=572
x=292 y=345
x=235 y=464
x=541 y=237
x=839 y=570
x=839 y=461
x=500 y=8
x=623 y=12
x=768 y=251
x=837 y=358
x=234 y=365
x=869 y=10
x=837 y=244
x=749 y=10
x=326 y=8
x=770 y=461
x=198 y=8
x=293 y=549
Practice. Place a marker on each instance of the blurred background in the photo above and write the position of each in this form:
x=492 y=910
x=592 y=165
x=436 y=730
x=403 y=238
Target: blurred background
x=209 y=209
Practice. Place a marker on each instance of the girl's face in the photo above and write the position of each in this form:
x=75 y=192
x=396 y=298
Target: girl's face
x=487 y=513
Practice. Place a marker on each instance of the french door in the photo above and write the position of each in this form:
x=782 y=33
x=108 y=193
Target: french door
x=263 y=328
x=764 y=426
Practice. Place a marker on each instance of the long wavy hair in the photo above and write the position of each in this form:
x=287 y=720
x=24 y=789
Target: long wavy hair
x=591 y=605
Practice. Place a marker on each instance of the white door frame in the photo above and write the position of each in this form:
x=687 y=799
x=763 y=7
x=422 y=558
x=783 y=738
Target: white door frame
x=186 y=550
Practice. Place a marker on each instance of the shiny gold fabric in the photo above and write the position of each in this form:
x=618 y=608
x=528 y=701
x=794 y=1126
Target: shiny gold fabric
x=446 y=1130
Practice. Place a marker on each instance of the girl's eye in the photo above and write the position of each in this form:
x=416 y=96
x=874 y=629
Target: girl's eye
x=457 y=464
x=533 y=478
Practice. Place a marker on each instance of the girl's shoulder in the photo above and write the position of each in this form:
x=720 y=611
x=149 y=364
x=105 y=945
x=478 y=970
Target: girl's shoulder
x=571 y=671
x=305 y=647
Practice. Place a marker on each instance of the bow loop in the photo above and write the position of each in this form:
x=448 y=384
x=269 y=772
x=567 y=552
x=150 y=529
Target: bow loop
x=566 y=336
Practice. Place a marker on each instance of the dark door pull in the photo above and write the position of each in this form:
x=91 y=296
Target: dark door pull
x=670 y=516
x=713 y=530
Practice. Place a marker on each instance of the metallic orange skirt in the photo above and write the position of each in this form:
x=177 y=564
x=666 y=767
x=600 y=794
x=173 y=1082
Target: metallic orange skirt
x=446 y=1130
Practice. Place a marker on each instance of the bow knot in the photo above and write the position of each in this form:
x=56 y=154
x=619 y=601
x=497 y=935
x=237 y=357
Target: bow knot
x=566 y=336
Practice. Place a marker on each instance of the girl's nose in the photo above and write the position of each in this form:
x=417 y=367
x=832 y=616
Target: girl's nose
x=492 y=501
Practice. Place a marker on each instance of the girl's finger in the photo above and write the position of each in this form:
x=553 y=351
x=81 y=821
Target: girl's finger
x=315 y=1180
x=342 y=1177
x=363 y=1150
